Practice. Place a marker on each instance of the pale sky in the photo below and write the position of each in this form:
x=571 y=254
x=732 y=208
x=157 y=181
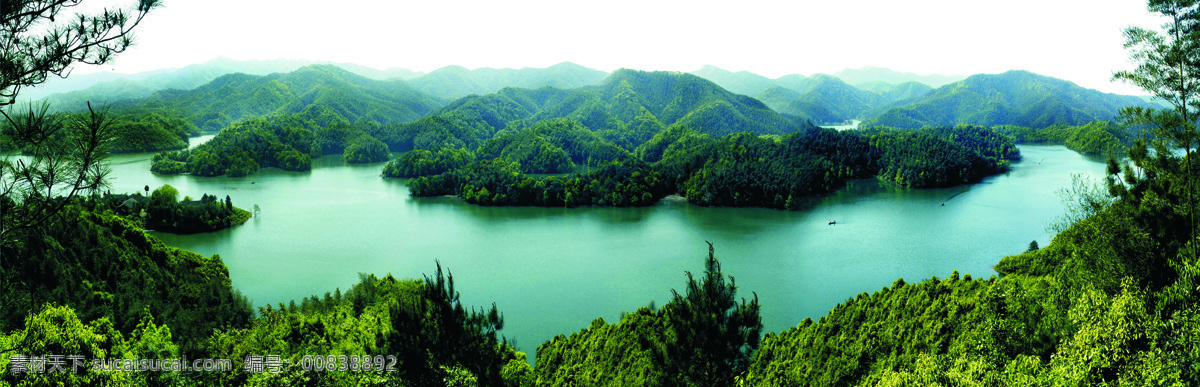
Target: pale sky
x=1076 y=40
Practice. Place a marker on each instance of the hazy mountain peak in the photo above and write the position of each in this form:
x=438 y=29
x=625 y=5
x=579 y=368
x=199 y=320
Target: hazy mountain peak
x=569 y=65
x=451 y=69
x=868 y=74
x=711 y=68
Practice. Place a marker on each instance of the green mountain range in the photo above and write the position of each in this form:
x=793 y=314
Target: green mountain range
x=819 y=98
x=822 y=98
x=326 y=89
x=876 y=95
x=742 y=82
x=896 y=92
x=71 y=93
x=1017 y=98
x=627 y=108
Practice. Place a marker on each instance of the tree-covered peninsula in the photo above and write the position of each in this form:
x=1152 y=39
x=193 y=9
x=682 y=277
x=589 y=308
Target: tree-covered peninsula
x=736 y=170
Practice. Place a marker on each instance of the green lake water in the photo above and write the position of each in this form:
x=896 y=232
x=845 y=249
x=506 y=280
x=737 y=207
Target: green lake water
x=553 y=270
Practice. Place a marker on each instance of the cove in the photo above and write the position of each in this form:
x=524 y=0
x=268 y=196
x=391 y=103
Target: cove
x=553 y=270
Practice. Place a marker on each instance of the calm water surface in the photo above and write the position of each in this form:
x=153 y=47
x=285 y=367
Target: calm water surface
x=554 y=270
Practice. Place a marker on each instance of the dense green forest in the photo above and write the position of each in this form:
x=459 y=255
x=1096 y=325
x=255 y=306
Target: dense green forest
x=165 y=211
x=241 y=149
x=104 y=266
x=421 y=162
x=499 y=183
x=940 y=157
x=288 y=142
x=1099 y=138
x=737 y=170
x=234 y=97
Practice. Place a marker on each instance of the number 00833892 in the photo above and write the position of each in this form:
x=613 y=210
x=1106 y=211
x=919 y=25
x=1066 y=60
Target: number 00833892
x=379 y=363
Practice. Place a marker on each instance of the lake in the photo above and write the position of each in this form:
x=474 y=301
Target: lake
x=554 y=270
x=853 y=124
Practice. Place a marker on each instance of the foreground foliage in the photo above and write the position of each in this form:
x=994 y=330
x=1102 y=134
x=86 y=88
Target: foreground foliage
x=105 y=266
x=703 y=337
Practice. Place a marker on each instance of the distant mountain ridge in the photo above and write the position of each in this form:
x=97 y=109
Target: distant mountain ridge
x=819 y=98
x=867 y=93
x=457 y=81
x=742 y=82
x=1012 y=98
x=868 y=74
x=105 y=87
x=449 y=82
x=889 y=98
x=318 y=90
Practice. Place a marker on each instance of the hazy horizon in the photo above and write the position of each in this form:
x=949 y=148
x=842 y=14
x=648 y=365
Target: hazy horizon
x=1134 y=91
x=1075 y=40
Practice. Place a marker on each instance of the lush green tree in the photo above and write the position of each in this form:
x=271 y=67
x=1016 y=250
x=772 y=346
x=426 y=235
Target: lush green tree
x=365 y=149
x=1168 y=66
x=162 y=212
x=57 y=330
x=421 y=162
x=60 y=168
x=435 y=329
x=704 y=337
x=712 y=337
x=528 y=149
x=45 y=37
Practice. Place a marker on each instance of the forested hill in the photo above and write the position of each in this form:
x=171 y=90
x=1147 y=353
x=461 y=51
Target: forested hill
x=69 y=94
x=234 y=97
x=627 y=108
x=886 y=98
x=819 y=98
x=898 y=92
x=1013 y=98
x=742 y=82
x=822 y=98
x=457 y=82
x=679 y=98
